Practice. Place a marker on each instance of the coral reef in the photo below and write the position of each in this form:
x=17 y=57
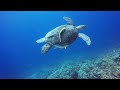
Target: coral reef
x=106 y=66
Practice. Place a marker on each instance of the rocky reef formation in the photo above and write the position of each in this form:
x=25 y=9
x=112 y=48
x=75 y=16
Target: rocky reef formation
x=106 y=66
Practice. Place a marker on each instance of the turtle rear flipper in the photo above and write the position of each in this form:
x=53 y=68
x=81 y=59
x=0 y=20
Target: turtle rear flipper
x=85 y=38
x=80 y=27
x=46 y=48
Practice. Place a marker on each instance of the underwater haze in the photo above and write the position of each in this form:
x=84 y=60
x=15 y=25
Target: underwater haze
x=20 y=55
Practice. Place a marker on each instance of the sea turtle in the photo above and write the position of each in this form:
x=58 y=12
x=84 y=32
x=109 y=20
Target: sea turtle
x=62 y=36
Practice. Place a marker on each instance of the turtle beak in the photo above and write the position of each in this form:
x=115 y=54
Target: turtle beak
x=81 y=27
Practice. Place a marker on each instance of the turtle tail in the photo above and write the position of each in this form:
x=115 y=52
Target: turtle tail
x=46 y=48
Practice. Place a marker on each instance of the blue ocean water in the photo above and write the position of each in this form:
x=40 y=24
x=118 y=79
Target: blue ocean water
x=20 y=55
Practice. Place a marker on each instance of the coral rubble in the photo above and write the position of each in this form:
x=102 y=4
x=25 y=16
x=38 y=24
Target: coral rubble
x=106 y=66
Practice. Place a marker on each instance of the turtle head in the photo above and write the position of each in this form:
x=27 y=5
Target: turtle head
x=81 y=27
x=45 y=48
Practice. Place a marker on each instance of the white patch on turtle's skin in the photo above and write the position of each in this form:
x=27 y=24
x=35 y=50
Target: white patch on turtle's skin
x=58 y=46
x=61 y=32
x=54 y=31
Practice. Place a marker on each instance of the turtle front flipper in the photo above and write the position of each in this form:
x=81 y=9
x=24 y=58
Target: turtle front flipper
x=69 y=20
x=41 y=40
x=46 y=48
x=85 y=38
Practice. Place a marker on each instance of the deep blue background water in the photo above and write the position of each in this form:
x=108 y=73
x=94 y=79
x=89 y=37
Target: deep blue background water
x=20 y=55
